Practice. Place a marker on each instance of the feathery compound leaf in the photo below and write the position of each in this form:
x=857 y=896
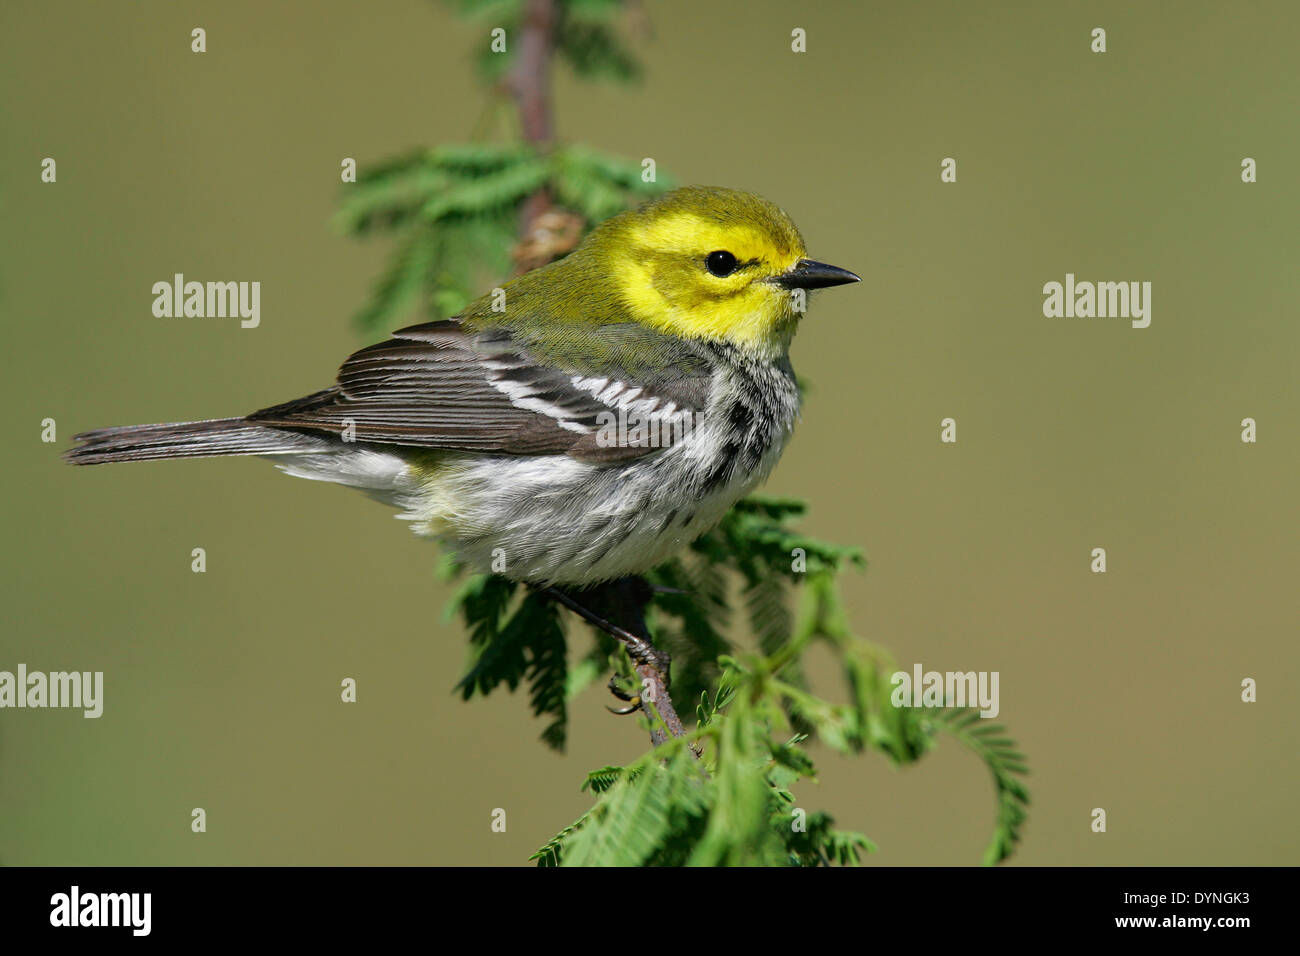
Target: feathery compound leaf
x=631 y=819
x=529 y=644
x=816 y=843
x=1005 y=763
x=538 y=623
x=772 y=507
x=769 y=615
x=497 y=652
x=592 y=48
x=583 y=36
x=482 y=600
x=592 y=164
x=598 y=781
x=551 y=853
x=388 y=197
x=399 y=286
x=599 y=186
x=753 y=538
x=456 y=210
x=739 y=830
x=490 y=190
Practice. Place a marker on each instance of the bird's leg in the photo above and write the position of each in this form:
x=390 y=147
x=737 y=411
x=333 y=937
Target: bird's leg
x=638 y=648
x=626 y=600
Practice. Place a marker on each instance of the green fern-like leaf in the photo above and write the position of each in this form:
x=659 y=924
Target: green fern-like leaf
x=627 y=824
x=598 y=781
x=497 y=653
x=551 y=853
x=485 y=192
x=397 y=290
x=594 y=51
x=526 y=644
x=455 y=211
x=540 y=629
x=1006 y=765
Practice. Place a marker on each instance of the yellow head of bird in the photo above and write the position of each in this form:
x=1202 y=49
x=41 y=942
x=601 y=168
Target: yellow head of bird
x=714 y=263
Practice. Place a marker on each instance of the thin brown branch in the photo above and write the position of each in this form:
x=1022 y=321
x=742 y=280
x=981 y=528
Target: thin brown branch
x=530 y=79
x=529 y=83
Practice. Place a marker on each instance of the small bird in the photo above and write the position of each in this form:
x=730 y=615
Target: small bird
x=576 y=426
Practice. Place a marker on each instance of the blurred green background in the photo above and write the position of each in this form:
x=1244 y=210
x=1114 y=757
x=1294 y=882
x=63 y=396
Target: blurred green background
x=222 y=689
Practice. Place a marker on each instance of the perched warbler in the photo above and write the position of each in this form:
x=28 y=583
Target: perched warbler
x=577 y=426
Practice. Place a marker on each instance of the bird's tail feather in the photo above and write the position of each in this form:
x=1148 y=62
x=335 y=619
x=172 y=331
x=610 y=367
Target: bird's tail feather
x=209 y=439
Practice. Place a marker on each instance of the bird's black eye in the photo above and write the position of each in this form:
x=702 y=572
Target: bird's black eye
x=721 y=263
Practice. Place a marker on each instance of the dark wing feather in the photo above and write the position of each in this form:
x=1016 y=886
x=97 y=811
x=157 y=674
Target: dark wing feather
x=440 y=386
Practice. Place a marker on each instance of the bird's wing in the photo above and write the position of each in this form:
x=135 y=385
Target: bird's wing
x=440 y=385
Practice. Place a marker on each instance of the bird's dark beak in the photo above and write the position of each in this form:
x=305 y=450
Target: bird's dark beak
x=810 y=274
